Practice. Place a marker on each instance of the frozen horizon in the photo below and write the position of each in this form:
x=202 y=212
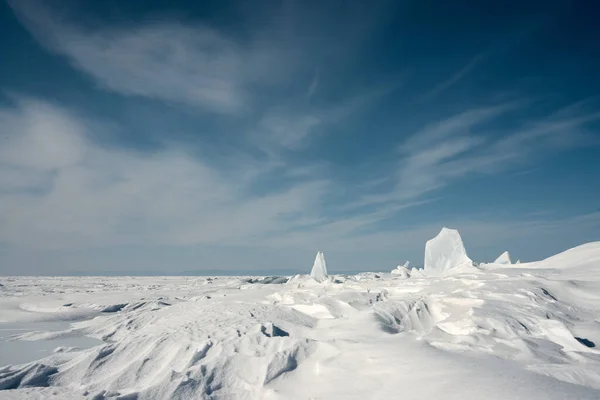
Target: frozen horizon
x=502 y=330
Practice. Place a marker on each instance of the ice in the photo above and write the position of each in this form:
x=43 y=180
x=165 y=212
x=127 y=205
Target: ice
x=504 y=258
x=319 y=269
x=401 y=271
x=445 y=251
x=22 y=351
x=497 y=332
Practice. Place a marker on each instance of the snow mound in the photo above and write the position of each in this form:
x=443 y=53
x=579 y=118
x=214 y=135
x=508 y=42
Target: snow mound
x=319 y=269
x=445 y=251
x=586 y=255
x=504 y=258
x=268 y=280
x=419 y=315
x=31 y=375
x=416 y=272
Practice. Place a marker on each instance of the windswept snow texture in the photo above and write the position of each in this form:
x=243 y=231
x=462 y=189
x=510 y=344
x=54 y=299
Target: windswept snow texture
x=528 y=331
x=319 y=269
x=445 y=251
x=503 y=259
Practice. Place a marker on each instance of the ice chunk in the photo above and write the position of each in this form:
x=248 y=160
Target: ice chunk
x=445 y=251
x=503 y=259
x=401 y=271
x=319 y=269
x=518 y=262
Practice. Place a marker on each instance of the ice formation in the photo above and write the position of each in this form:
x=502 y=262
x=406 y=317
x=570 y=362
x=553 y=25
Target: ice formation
x=248 y=338
x=503 y=259
x=518 y=262
x=401 y=271
x=445 y=251
x=319 y=269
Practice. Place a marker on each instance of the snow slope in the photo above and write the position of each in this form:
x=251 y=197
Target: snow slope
x=497 y=332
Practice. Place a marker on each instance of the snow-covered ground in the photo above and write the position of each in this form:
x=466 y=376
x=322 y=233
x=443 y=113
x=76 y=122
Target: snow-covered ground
x=495 y=331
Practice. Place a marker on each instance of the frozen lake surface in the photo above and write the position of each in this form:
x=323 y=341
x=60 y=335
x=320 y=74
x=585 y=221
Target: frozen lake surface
x=22 y=351
x=495 y=331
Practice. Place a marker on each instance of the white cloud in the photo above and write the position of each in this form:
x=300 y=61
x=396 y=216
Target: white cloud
x=314 y=84
x=86 y=196
x=282 y=127
x=287 y=130
x=447 y=151
x=170 y=61
x=81 y=194
x=454 y=79
x=39 y=148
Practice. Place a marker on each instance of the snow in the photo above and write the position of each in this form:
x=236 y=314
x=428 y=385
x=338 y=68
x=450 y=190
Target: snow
x=444 y=252
x=319 y=269
x=502 y=331
x=504 y=258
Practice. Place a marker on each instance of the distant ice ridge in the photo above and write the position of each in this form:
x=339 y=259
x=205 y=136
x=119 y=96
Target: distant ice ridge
x=503 y=259
x=319 y=269
x=445 y=251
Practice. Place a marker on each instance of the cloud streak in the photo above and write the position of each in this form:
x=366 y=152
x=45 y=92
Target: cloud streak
x=468 y=143
x=190 y=64
x=60 y=189
x=248 y=170
x=453 y=80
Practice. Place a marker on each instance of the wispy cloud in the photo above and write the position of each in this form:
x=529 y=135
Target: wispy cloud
x=487 y=149
x=287 y=130
x=291 y=128
x=453 y=80
x=314 y=84
x=450 y=150
x=60 y=189
x=169 y=60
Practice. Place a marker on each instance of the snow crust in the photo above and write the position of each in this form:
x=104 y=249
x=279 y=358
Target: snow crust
x=319 y=269
x=526 y=330
x=444 y=252
x=504 y=258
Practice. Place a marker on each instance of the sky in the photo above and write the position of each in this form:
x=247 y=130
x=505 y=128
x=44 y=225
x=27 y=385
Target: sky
x=162 y=137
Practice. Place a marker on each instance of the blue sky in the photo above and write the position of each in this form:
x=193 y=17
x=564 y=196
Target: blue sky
x=166 y=136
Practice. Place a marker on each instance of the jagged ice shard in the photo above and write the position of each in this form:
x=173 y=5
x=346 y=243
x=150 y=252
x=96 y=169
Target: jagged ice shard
x=319 y=269
x=503 y=259
x=445 y=251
